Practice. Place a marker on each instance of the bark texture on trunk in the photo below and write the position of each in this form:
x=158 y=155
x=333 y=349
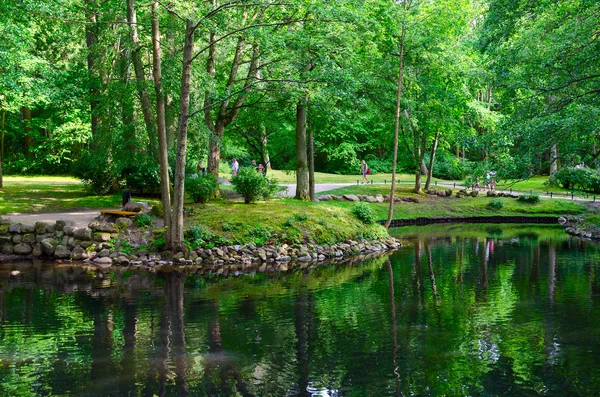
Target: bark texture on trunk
x=138 y=67
x=177 y=243
x=165 y=183
x=397 y=125
x=2 y=147
x=432 y=160
x=27 y=118
x=228 y=109
x=311 y=165
x=91 y=37
x=302 y=190
x=553 y=159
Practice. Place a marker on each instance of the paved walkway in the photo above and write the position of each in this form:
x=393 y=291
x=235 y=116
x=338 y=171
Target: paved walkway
x=82 y=218
x=319 y=187
x=79 y=218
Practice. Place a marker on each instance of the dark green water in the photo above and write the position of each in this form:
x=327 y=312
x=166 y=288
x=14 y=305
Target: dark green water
x=461 y=310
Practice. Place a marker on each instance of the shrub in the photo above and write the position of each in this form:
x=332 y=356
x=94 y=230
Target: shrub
x=198 y=236
x=157 y=210
x=98 y=175
x=142 y=220
x=496 y=205
x=584 y=179
x=364 y=213
x=261 y=234
x=271 y=189
x=143 y=175
x=530 y=199
x=251 y=184
x=448 y=166
x=202 y=187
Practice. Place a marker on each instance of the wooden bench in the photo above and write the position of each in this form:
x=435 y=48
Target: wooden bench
x=117 y=212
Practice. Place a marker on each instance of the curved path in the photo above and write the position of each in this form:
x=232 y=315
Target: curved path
x=80 y=218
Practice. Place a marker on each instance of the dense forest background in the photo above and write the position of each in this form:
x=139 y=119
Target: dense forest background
x=505 y=85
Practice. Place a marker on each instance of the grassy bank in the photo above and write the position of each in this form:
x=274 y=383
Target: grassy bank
x=52 y=194
x=433 y=206
x=222 y=222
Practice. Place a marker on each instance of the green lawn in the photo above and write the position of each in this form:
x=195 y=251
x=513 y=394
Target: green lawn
x=278 y=221
x=537 y=184
x=321 y=177
x=38 y=194
x=59 y=179
x=452 y=206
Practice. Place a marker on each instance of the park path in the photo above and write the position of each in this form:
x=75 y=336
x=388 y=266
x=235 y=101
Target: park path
x=319 y=187
x=82 y=218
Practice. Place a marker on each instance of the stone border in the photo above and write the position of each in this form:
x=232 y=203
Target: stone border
x=92 y=244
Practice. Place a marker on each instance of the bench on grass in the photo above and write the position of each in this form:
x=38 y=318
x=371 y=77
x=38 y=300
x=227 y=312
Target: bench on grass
x=117 y=212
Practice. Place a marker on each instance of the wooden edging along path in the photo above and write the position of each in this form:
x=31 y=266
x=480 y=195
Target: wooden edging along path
x=473 y=219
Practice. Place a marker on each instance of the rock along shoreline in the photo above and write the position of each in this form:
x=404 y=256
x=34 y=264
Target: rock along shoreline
x=100 y=244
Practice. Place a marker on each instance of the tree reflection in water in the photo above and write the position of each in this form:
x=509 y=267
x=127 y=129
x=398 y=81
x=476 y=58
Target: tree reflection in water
x=503 y=313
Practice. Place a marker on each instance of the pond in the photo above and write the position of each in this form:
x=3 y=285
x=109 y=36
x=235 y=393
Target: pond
x=460 y=310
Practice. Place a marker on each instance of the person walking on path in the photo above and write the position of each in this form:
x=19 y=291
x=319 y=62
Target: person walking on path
x=235 y=168
x=364 y=170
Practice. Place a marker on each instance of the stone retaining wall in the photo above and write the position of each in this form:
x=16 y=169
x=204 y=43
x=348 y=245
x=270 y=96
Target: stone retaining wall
x=99 y=243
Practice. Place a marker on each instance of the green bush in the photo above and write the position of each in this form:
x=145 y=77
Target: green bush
x=98 y=175
x=448 y=166
x=142 y=220
x=364 y=213
x=271 y=188
x=143 y=175
x=202 y=187
x=530 y=199
x=496 y=205
x=584 y=179
x=251 y=184
x=157 y=210
x=261 y=234
x=198 y=236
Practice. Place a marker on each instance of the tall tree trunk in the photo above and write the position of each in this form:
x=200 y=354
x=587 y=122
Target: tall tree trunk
x=182 y=129
x=424 y=170
x=127 y=108
x=91 y=37
x=141 y=80
x=431 y=160
x=170 y=120
x=26 y=113
x=2 y=136
x=311 y=164
x=302 y=189
x=165 y=183
x=265 y=147
x=553 y=159
x=2 y=147
x=388 y=222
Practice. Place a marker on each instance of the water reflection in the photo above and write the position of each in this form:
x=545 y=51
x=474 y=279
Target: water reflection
x=461 y=311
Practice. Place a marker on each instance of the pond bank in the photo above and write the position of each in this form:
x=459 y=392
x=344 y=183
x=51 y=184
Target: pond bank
x=105 y=244
x=473 y=219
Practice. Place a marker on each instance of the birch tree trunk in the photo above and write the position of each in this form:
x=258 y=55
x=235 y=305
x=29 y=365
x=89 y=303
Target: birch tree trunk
x=160 y=118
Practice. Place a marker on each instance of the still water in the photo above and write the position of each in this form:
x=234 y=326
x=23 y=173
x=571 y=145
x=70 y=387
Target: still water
x=460 y=310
